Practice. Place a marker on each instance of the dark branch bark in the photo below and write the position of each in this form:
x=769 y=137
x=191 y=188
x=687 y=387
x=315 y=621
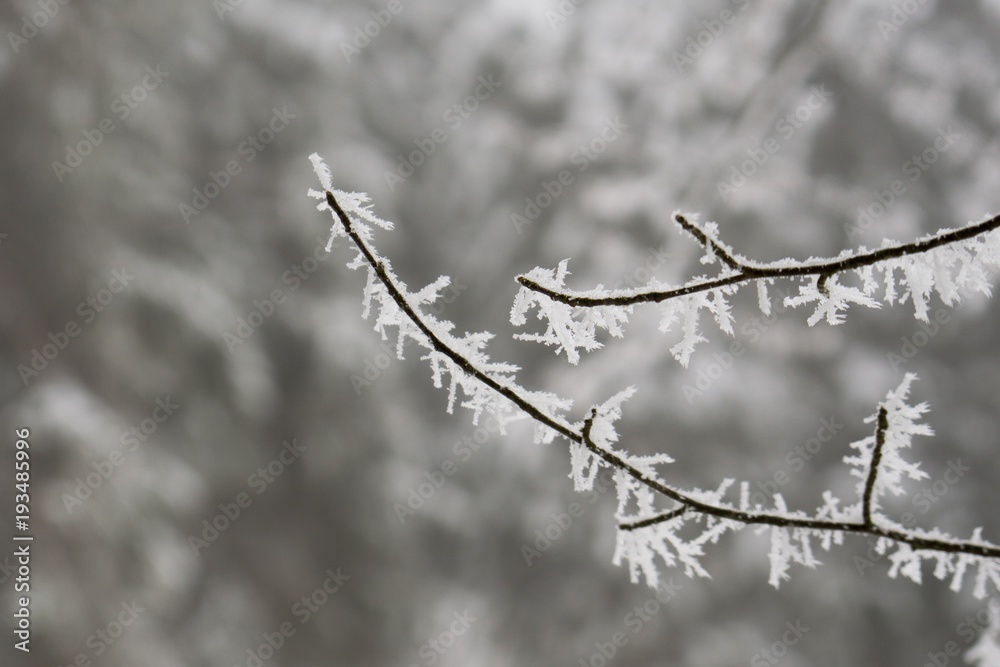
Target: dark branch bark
x=703 y=239
x=747 y=272
x=883 y=426
x=687 y=502
x=436 y=342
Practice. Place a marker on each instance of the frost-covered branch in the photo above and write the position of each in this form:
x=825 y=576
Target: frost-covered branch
x=947 y=262
x=746 y=272
x=645 y=530
x=867 y=525
x=435 y=340
x=711 y=243
x=883 y=426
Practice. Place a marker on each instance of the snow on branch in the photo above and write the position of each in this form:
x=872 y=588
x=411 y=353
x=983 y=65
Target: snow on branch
x=565 y=332
x=657 y=520
x=948 y=263
x=794 y=533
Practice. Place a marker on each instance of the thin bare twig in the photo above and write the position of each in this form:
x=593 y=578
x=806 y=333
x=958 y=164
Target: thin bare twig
x=883 y=427
x=721 y=251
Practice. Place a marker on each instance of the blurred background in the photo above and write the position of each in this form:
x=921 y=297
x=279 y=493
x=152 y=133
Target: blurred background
x=229 y=466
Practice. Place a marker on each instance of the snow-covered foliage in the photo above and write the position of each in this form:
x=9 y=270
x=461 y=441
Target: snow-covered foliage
x=660 y=523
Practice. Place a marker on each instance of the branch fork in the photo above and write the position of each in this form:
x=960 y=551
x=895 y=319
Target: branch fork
x=638 y=472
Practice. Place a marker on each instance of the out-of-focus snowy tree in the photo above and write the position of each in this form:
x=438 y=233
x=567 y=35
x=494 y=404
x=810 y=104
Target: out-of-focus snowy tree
x=568 y=74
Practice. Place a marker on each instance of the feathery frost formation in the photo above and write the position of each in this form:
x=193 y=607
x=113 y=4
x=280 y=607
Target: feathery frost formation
x=659 y=522
x=893 y=273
